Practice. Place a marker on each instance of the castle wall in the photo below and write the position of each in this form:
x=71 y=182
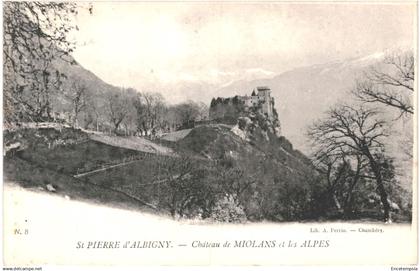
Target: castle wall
x=226 y=109
x=249 y=101
x=231 y=108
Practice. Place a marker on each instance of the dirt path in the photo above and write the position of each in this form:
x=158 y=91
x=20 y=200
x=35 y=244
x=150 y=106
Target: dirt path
x=132 y=143
x=175 y=136
x=104 y=168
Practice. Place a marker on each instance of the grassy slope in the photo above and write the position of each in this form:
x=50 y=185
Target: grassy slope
x=36 y=178
x=210 y=141
x=218 y=141
x=53 y=157
x=137 y=178
x=76 y=158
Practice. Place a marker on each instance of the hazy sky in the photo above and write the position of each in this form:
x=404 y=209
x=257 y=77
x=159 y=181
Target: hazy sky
x=145 y=45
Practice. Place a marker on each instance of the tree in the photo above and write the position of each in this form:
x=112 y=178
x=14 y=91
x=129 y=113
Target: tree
x=183 y=190
x=355 y=131
x=35 y=34
x=151 y=109
x=118 y=108
x=342 y=171
x=78 y=98
x=203 y=111
x=391 y=83
x=187 y=112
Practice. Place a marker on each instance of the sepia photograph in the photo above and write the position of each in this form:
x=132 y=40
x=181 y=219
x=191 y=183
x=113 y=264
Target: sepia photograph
x=140 y=132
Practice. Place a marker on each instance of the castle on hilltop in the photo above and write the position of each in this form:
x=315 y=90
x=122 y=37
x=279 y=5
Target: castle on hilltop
x=230 y=108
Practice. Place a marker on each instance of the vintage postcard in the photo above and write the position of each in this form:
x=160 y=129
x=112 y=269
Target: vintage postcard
x=209 y=134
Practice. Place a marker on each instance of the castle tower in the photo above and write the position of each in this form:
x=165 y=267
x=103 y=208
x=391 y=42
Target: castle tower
x=264 y=95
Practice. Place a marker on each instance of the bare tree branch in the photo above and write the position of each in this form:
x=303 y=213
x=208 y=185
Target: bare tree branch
x=391 y=83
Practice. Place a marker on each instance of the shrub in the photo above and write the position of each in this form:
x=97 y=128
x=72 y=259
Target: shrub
x=227 y=209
